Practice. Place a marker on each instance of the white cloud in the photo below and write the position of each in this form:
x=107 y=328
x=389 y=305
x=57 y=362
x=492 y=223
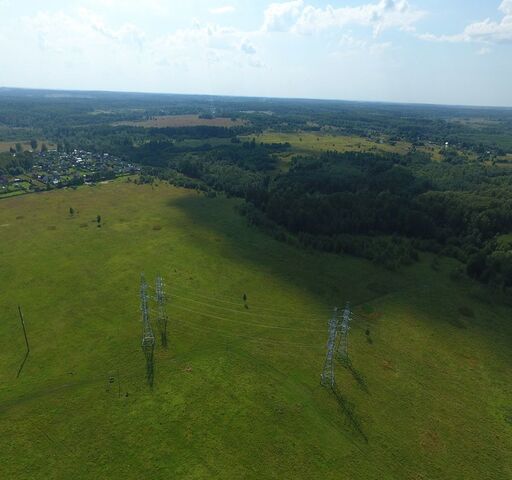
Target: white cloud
x=222 y=10
x=86 y=31
x=297 y=17
x=84 y=36
x=506 y=7
x=430 y=37
x=486 y=31
x=280 y=17
x=210 y=44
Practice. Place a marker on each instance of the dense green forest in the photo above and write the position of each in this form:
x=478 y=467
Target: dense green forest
x=352 y=202
x=15 y=165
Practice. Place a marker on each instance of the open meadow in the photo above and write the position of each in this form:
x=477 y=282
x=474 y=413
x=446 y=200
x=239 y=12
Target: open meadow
x=5 y=146
x=308 y=143
x=173 y=121
x=237 y=392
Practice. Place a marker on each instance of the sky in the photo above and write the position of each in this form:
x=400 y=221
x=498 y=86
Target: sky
x=419 y=51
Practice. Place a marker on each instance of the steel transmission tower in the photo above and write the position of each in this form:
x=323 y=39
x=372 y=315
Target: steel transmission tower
x=161 y=299
x=148 y=338
x=328 y=379
x=342 y=351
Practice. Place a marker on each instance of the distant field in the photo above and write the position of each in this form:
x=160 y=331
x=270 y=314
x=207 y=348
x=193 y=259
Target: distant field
x=475 y=121
x=310 y=142
x=237 y=393
x=183 y=121
x=307 y=142
x=5 y=146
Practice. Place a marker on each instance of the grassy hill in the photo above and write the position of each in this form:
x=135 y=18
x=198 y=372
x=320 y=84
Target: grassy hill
x=237 y=392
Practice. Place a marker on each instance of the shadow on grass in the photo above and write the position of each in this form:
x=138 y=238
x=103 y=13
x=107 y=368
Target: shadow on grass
x=358 y=376
x=22 y=364
x=348 y=410
x=331 y=278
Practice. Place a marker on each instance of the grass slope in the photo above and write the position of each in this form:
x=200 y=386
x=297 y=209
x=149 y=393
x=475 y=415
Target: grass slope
x=237 y=393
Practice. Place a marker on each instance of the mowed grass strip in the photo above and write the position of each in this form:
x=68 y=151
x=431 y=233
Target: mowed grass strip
x=237 y=392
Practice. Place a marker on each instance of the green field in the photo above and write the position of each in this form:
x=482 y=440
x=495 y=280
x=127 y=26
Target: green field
x=307 y=143
x=237 y=392
x=312 y=142
x=5 y=145
x=174 y=121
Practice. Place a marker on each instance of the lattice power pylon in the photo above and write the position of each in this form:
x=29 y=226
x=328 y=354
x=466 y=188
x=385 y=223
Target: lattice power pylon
x=148 y=338
x=342 y=350
x=161 y=300
x=327 y=378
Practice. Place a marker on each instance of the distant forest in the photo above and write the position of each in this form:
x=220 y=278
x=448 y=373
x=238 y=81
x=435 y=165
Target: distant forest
x=387 y=207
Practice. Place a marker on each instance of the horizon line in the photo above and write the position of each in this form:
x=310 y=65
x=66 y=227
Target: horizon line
x=341 y=100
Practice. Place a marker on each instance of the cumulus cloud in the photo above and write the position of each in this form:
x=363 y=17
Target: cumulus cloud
x=62 y=32
x=300 y=18
x=486 y=31
x=206 y=43
x=506 y=7
x=280 y=17
x=83 y=35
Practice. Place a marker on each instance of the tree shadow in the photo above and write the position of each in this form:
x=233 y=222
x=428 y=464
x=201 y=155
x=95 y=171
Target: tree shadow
x=320 y=274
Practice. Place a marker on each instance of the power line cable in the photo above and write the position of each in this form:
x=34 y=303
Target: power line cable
x=262 y=325
x=253 y=305
x=187 y=325
x=244 y=312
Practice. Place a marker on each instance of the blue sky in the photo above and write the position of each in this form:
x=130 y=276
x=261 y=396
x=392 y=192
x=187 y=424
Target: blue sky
x=425 y=51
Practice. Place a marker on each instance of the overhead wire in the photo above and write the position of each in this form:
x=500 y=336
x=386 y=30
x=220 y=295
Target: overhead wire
x=255 y=308
x=220 y=300
x=186 y=325
x=185 y=293
x=253 y=324
x=113 y=362
x=244 y=313
x=247 y=313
